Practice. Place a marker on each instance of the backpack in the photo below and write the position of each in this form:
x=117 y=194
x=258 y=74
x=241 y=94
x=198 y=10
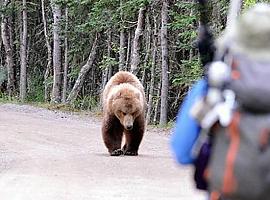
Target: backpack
x=239 y=165
x=201 y=163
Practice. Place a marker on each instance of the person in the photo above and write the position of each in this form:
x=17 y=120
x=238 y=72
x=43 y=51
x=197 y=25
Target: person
x=249 y=38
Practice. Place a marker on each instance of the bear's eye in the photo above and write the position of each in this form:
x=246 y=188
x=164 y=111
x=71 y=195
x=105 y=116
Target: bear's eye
x=134 y=114
x=124 y=113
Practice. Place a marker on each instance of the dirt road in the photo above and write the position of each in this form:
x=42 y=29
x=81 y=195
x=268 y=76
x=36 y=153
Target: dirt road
x=47 y=155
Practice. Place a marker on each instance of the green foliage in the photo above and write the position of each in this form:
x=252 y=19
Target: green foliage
x=130 y=8
x=184 y=22
x=86 y=18
x=106 y=14
x=191 y=72
x=183 y=16
x=107 y=62
x=49 y=81
x=187 y=38
x=74 y=72
x=165 y=127
x=249 y=3
x=35 y=91
x=4 y=98
x=102 y=14
x=87 y=102
x=10 y=8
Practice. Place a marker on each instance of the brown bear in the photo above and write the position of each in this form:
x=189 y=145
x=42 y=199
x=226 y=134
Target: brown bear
x=123 y=102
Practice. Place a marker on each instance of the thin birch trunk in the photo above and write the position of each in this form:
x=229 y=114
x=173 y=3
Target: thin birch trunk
x=56 y=95
x=48 y=70
x=107 y=73
x=148 y=46
x=122 y=44
x=109 y=50
x=1 y=43
x=156 y=110
x=12 y=40
x=7 y=38
x=135 y=59
x=191 y=54
x=152 y=82
x=23 y=54
x=64 y=90
x=84 y=70
x=164 y=58
x=128 y=50
x=122 y=51
x=234 y=10
x=104 y=78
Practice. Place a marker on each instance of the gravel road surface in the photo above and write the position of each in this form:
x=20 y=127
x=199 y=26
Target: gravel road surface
x=51 y=155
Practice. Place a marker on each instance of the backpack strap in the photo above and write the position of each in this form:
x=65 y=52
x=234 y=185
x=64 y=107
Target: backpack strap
x=264 y=139
x=215 y=195
x=229 y=183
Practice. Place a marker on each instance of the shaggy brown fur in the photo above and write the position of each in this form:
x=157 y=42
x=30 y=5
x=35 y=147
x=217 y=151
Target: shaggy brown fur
x=123 y=103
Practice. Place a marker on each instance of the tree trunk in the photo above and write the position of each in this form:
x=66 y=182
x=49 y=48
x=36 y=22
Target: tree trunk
x=13 y=46
x=135 y=59
x=1 y=60
x=157 y=104
x=128 y=50
x=56 y=95
x=164 y=57
x=148 y=47
x=64 y=91
x=23 y=53
x=152 y=82
x=107 y=73
x=84 y=70
x=234 y=10
x=122 y=43
x=6 y=38
x=48 y=70
x=122 y=51
x=104 y=78
x=109 y=50
x=191 y=49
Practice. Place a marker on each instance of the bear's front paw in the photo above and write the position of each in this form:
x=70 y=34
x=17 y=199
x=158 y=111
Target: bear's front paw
x=130 y=153
x=117 y=152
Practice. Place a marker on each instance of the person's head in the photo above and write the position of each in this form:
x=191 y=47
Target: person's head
x=250 y=35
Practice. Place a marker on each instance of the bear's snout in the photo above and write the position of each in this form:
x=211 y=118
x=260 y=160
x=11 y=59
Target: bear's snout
x=128 y=122
x=129 y=127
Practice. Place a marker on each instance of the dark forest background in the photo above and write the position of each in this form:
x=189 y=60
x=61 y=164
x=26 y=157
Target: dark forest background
x=64 y=51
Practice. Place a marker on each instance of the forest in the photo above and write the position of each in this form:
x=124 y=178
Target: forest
x=64 y=51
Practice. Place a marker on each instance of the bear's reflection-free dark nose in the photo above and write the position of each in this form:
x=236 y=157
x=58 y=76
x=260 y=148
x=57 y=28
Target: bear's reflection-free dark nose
x=129 y=127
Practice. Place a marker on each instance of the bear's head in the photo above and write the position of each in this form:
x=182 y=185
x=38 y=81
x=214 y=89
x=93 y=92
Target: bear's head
x=127 y=103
